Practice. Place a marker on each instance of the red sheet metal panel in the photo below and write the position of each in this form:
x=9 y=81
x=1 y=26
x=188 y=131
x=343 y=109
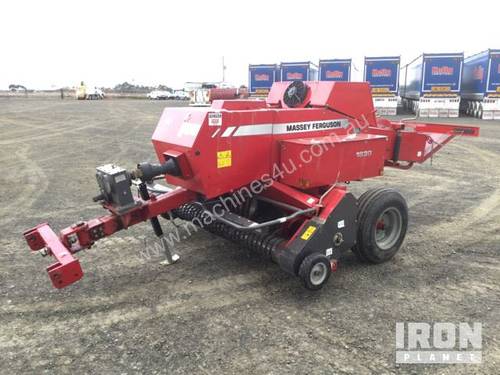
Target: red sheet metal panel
x=328 y=160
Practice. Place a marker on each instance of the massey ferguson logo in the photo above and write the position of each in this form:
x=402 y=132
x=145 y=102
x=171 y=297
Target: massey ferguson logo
x=262 y=77
x=312 y=126
x=294 y=75
x=478 y=73
x=381 y=72
x=334 y=74
x=442 y=71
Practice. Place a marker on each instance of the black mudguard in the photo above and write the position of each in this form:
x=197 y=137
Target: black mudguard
x=317 y=236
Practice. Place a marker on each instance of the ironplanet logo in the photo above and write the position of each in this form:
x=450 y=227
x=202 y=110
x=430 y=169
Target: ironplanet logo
x=442 y=71
x=381 y=72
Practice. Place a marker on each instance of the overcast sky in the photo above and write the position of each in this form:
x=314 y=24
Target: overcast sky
x=49 y=44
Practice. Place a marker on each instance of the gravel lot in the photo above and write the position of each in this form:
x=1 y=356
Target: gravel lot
x=220 y=310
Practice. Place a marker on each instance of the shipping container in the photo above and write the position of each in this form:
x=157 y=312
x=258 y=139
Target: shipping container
x=481 y=85
x=382 y=73
x=432 y=83
x=261 y=77
x=335 y=70
x=299 y=71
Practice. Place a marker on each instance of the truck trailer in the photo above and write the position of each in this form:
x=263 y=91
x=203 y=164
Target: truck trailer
x=481 y=85
x=382 y=73
x=335 y=70
x=299 y=71
x=432 y=84
x=261 y=77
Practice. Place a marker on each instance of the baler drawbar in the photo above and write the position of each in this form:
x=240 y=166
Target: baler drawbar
x=269 y=175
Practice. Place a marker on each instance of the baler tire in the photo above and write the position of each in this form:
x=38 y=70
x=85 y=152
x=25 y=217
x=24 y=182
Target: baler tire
x=315 y=262
x=362 y=201
x=376 y=205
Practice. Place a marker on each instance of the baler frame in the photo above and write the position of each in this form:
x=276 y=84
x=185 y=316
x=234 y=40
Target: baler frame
x=318 y=219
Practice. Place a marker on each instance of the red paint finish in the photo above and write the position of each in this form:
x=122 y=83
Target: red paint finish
x=67 y=269
x=233 y=143
x=326 y=160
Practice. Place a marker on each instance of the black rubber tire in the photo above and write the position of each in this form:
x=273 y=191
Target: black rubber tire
x=480 y=113
x=306 y=268
x=362 y=201
x=371 y=206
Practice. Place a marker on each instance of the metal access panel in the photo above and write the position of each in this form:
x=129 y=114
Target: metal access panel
x=314 y=162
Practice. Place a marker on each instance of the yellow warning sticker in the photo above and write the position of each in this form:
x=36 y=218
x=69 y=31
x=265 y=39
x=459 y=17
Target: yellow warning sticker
x=308 y=233
x=223 y=159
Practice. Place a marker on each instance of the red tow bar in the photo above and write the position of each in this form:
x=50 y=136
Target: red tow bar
x=67 y=269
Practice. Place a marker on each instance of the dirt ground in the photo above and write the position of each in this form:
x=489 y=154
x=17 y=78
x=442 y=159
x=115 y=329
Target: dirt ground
x=219 y=310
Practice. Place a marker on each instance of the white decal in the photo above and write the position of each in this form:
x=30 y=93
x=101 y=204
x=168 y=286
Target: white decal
x=329 y=251
x=214 y=119
x=254 y=130
x=291 y=127
x=309 y=126
x=341 y=224
x=228 y=131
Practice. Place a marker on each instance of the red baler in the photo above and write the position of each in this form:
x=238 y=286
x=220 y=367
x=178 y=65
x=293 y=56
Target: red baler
x=270 y=175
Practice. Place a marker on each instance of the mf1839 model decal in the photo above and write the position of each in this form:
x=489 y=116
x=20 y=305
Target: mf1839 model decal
x=364 y=154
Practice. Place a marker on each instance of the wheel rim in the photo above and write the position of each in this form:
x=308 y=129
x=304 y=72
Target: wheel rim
x=318 y=273
x=388 y=228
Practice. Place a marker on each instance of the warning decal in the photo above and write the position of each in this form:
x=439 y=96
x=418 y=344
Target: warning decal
x=308 y=233
x=214 y=119
x=223 y=159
